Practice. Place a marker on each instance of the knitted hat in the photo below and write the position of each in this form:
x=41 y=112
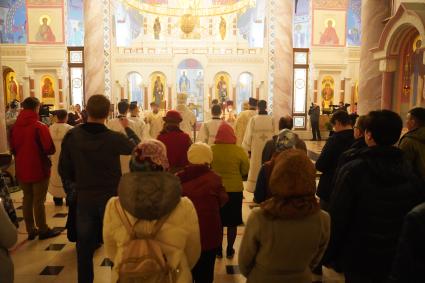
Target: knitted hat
x=293 y=175
x=225 y=134
x=148 y=154
x=173 y=116
x=200 y=153
x=181 y=98
x=286 y=139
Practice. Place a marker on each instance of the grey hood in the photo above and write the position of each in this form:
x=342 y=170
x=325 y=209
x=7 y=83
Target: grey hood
x=149 y=195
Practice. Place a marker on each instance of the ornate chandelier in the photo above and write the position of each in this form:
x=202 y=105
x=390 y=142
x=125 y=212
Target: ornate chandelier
x=190 y=7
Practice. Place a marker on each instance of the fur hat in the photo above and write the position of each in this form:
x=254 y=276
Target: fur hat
x=200 y=153
x=181 y=98
x=173 y=116
x=148 y=152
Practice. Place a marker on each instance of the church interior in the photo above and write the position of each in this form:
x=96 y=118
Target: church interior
x=362 y=55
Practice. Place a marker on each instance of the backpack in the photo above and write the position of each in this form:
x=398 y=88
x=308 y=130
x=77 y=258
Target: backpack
x=143 y=259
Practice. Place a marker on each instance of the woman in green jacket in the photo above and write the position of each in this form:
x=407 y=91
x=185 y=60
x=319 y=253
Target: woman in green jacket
x=231 y=163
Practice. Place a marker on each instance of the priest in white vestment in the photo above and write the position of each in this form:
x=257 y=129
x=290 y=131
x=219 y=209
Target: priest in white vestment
x=243 y=119
x=154 y=121
x=260 y=129
x=209 y=128
x=189 y=118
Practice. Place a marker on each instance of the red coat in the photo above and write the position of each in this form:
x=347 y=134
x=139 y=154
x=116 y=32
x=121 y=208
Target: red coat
x=205 y=189
x=177 y=144
x=29 y=163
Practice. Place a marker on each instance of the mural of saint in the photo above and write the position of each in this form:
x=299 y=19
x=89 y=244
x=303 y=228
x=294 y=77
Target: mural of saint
x=157 y=28
x=200 y=83
x=222 y=28
x=45 y=33
x=158 y=91
x=184 y=83
x=12 y=86
x=329 y=36
x=327 y=96
x=47 y=90
x=418 y=73
x=222 y=89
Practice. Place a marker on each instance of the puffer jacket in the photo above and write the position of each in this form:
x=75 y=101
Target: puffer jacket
x=373 y=193
x=413 y=146
x=179 y=236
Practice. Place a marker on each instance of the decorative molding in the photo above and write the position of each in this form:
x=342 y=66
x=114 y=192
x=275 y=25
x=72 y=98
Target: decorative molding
x=107 y=47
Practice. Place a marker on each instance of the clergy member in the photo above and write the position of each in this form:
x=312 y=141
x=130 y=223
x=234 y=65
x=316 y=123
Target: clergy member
x=189 y=118
x=260 y=129
x=243 y=119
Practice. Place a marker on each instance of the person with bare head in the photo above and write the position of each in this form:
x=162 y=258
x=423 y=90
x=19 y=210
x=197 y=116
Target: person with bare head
x=154 y=120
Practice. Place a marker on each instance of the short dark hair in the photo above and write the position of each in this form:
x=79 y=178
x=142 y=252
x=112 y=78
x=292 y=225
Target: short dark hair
x=361 y=123
x=418 y=114
x=133 y=106
x=98 y=106
x=385 y=126
x=262 y=105
x=216 y=110
x=30 y=103
x=61 y=114
x=214 y=101
x=342 y=117
x=286 y=123
x=153 y=104
x=123 y=107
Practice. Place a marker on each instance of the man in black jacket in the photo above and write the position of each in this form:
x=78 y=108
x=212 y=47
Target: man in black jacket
x=90 y=158
x=372 y=195
x=314 y=113
x=327 y=162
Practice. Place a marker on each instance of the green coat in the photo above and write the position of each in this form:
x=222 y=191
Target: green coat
x=231 y=163
x=413 y=146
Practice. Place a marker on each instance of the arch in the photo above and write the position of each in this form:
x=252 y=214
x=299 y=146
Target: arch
x=134 y=87
x=244 y=89
x=11 y=88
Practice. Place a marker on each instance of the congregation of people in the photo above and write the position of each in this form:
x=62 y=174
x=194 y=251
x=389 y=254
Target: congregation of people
x=160 y=196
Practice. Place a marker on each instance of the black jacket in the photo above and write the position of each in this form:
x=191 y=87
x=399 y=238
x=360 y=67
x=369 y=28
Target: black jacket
x=90 y=157
x=372 y=195
x=409 y=263
x=327 y=162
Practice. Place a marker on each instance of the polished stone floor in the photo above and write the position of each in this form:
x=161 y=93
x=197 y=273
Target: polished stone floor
x=54 y=260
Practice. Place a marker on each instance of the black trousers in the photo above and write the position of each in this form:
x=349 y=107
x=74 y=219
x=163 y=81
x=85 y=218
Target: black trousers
x=203 y=272
x=315 y=130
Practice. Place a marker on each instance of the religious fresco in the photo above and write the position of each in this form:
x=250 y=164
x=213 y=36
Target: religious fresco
x=47 y=89
x=329 y=28
x=75 y=22
x=301 y=26
x=45 y=25
x=135 y=88
x=11 y=86
x=222 y=87
x=13 y=22
x=158 y=85
x=190 y=80
x=354 y=23
x=251 y=24
x=244 y=90
x=328 y=89
x=128 y=25
x=330 y=4
x=44 y=2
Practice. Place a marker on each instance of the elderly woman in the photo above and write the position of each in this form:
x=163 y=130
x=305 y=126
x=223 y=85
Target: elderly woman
x=150 y=199
x=286 y=238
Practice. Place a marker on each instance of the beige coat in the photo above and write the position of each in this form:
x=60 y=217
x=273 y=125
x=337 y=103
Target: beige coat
x=179 y=237
x=283 y=251
x=241 y=124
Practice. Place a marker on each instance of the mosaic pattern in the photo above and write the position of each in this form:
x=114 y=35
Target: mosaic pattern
x=107 y=47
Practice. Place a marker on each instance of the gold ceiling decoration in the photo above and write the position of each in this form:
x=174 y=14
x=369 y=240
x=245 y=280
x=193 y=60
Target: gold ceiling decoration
x=190 y=7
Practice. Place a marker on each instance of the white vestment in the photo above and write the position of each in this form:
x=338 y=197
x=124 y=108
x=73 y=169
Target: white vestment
x=155 y=123
x=139 y=127
x=57 y=131
x=241 y=124
x=189 y=119
x=208 y=131
x=260 y=129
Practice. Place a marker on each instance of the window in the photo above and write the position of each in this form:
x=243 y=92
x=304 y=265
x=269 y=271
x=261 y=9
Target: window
x=76 y=75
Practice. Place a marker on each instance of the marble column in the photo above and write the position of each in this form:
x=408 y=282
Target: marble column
x=282 y=12
x=370 y=82
x=387 y=90
x=3 y=132
x=93 y=49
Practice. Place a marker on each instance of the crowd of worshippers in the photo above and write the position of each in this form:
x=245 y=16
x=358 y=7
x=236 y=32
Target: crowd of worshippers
x=159 y=203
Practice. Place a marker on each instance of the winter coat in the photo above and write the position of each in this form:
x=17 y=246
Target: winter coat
x=31 y=143
x=90 y=158
x=282 y=250
x=205 y=189
x=177 y=143
x=413 y=146
x=241 y=124
x=328 y=161
x=8 y=238
x=373 y=193
x=409 y=262
x=178 y=237
x=57 y=131
x=231 y=163
x=314 y=113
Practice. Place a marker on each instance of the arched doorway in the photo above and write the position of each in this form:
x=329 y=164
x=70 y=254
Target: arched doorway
x=244 y=89
x=190 y=80
x=135 y=88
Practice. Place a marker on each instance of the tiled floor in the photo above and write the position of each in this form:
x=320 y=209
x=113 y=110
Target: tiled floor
x=54 y=260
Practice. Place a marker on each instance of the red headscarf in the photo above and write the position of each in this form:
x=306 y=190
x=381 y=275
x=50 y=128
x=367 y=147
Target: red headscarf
x=225 y=134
